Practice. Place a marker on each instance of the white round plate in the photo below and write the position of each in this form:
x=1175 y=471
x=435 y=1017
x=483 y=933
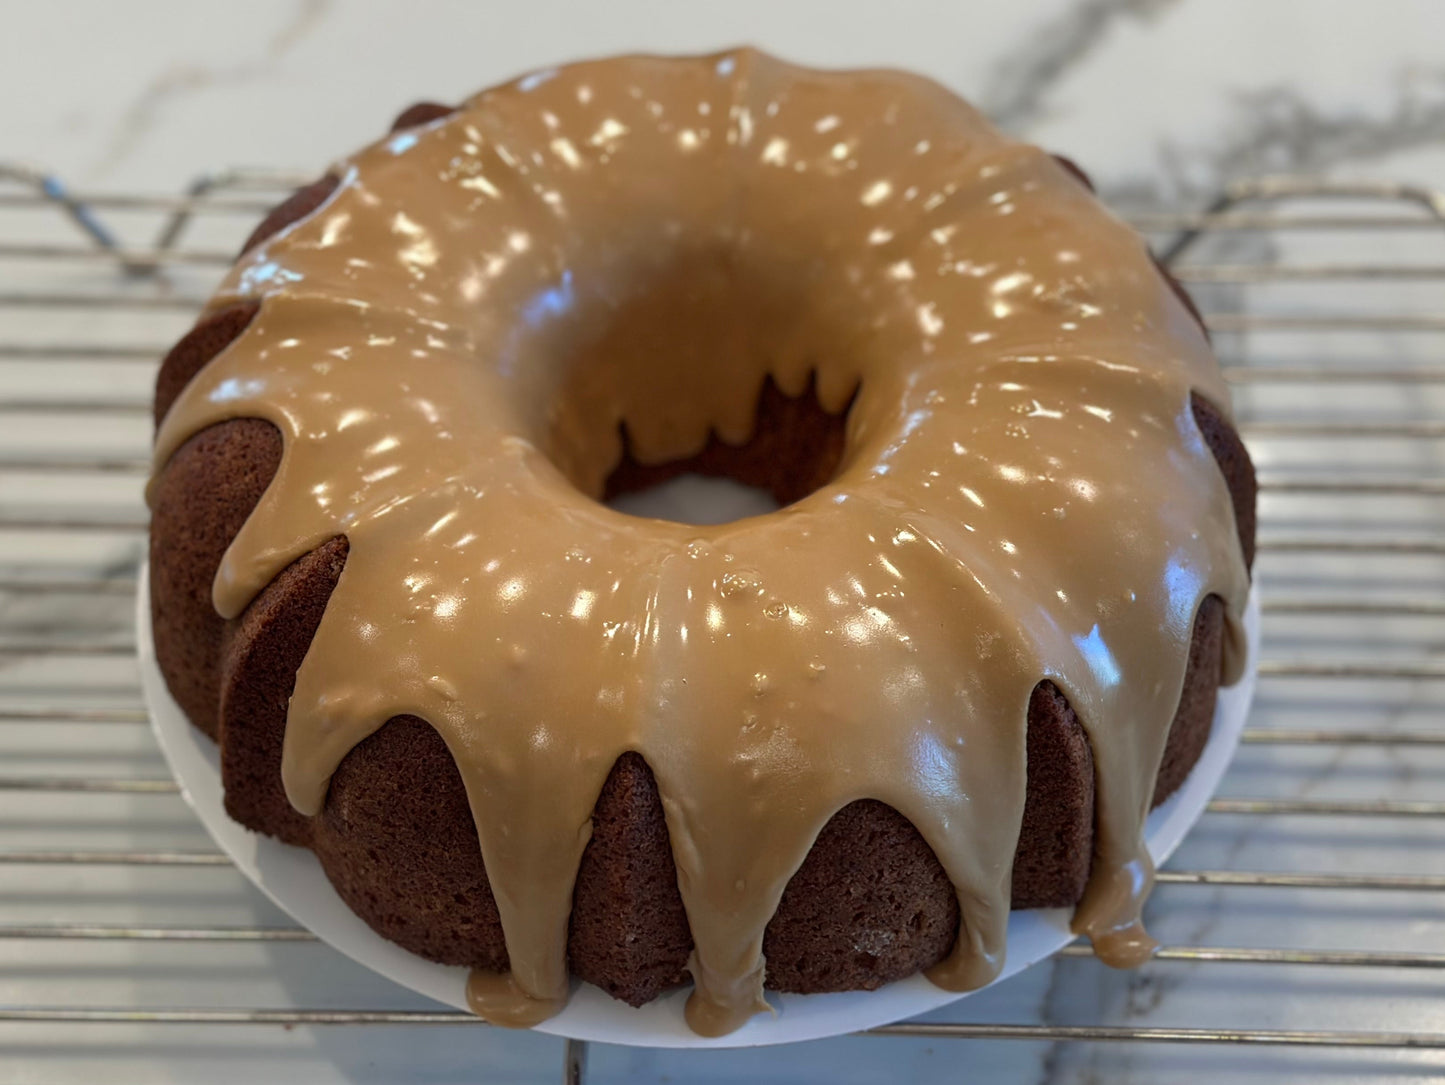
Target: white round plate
x=293 y=878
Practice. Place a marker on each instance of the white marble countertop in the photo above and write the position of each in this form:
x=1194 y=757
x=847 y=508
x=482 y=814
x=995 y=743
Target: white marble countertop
x=1161 y=99
x=1164 y=101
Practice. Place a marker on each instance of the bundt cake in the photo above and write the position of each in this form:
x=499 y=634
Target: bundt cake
x=816 y=750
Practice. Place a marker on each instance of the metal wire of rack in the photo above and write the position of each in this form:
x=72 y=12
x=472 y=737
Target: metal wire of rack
x=1339 y=389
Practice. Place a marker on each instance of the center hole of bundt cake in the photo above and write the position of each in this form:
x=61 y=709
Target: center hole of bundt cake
x=701 y=386
x=795 y=448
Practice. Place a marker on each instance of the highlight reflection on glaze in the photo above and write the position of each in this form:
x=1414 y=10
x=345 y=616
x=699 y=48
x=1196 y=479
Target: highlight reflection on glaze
x=450 y=345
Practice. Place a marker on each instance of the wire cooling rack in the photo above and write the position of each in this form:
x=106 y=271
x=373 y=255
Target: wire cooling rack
x=1300 y=920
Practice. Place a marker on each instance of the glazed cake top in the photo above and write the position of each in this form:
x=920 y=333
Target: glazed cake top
x=452 y=345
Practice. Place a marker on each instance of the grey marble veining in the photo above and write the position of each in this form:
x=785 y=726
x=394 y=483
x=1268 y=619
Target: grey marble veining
x=1022 y=78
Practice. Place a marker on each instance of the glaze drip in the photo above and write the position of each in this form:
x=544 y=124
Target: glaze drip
x=450 y=346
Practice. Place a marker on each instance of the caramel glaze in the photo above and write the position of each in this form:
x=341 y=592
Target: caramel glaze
x=453 y=346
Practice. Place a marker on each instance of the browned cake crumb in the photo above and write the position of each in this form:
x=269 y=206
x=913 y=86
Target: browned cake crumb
x=202 y=498
x=421 y=113
x=295 y=207
x=211 y=335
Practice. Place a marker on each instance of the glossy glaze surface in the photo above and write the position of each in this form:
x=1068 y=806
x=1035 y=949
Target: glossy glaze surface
x=450 y=345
